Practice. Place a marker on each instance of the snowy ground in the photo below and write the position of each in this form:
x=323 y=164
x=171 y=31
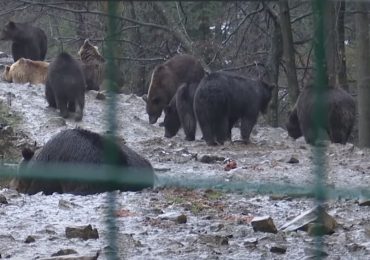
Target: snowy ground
x=147 y=227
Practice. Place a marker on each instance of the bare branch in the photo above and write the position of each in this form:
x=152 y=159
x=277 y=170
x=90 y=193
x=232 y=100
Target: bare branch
x=241 y=23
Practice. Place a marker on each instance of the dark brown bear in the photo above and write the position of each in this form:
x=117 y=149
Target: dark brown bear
x=165 y=80
x=85 y=149
x=340 y=117
x=180 y=113
x=28 y=41
x=222 y=98
x=65 y=86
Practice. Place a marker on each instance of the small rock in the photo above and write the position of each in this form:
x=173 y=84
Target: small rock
x=264 y=224
x=215 y=240
x=310 y=216
x=64 y=252
x=84 y=233
x=56 y=122
x=210 y=158
x=364 y=201
x=278 y=249
x=292 y=160
x=100 y=96
x=251 y=242
x=316 y=229
x=64 y=204
x=182 y=219
x=353 y=247
x=280 y=197
x=94 y=257
x=29 y=239
x=3 y=199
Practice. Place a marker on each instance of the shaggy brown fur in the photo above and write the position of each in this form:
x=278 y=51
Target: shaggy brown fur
x=93 y=65
x=25 y=70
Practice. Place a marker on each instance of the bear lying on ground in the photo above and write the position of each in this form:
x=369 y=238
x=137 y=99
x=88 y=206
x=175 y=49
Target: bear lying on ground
x=166 y=79
x=65 y=86
x=25 y=70
x=222 y=98
x=341 y=112
x=28 y=41
x=94 y=66
x=79 y=147
x=180 y=112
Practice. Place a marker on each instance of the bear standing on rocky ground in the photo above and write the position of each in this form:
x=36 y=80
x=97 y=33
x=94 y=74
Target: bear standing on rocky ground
x=65 y=147
x=222 y=98
x=166 y=79
x=340 y=119
x=65 y=86
x=180 y=113
x=94 y=65
x=27 y=41
x=25 y=70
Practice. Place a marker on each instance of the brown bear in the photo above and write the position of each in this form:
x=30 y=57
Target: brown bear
x=222 y=98
x=65 y=86
x=94 y=65
x=180 y=113
x=25 y=70
x=28 y=41
x=166 y=79
x=341 y=112
x=87 y=150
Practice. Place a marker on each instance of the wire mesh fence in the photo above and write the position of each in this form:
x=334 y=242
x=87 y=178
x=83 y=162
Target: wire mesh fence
x=112 y=174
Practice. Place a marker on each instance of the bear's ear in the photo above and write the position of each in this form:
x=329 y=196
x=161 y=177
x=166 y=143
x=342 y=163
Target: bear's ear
x=145 y=98
x=27 y=153
x=268 y=85
x=11 y=25
x=86 y=41
x=22 y=60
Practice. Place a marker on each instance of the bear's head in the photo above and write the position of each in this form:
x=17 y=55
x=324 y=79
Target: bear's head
x=89 y=53
x=10 y=31
x=6 y=74
x=171 y=121
x=292 y=125
x=160 y=92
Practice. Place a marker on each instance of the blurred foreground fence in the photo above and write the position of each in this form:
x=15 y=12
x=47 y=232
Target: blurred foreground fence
x=110 y=173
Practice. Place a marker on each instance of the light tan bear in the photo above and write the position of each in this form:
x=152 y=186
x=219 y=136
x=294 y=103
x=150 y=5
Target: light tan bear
x=25 y=70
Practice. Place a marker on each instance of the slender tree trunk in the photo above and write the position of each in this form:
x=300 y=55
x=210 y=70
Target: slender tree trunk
x=330 y=41
x=363 y=68
x=286 y=31
x=342 y=67
x=272 y=68
x=137 y=81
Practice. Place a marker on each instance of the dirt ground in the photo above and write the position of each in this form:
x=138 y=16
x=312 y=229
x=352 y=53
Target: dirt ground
x=218 y=212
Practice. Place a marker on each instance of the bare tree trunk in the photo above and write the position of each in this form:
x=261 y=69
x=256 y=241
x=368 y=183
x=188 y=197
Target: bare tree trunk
x=330 y=41
x=363 y=68
x=286 y=31
x=342 y=67
x=272 y=69
x=137 y=81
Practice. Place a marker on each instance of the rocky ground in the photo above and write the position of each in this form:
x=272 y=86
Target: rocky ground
x=212 y=221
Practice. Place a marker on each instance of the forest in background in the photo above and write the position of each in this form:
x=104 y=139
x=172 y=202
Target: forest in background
x=259 y=39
